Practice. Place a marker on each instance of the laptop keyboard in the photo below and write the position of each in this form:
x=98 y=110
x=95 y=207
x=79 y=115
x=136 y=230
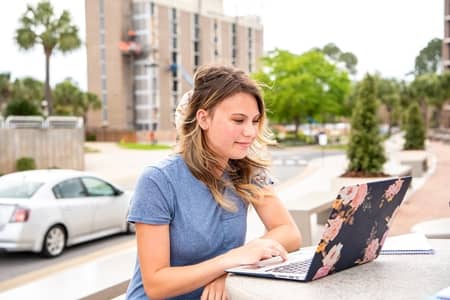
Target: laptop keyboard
x=295 y=267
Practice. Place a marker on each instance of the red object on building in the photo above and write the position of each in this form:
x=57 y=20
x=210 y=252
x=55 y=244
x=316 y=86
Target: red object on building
x=130 y=46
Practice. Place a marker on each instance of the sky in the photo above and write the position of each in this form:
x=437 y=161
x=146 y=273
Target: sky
x=385 y=35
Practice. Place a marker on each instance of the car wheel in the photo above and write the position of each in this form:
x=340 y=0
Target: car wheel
x=54 y=241
x=131 y=228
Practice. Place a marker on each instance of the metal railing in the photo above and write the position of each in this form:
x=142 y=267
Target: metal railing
x=38 y=122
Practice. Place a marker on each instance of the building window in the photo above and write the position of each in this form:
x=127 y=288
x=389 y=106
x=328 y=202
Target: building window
x=196 y=46
x=174 y=43
x=216 y=40
x=196 y=41
x=104 y=94
x=175 y=57
x=152 y=9
x=175 y=85
x=196 y=61
x=234 y=44
x=250 y=49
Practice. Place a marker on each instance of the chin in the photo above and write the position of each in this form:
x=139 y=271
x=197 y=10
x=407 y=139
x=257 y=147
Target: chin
x=239 y=155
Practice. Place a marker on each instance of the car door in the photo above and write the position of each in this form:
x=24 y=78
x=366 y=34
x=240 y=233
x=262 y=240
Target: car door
x=109 y=211
x=76 y=207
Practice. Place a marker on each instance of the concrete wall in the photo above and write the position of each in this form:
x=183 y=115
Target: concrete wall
x=50 y=148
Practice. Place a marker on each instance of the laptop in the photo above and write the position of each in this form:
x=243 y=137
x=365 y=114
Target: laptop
x=354 y=234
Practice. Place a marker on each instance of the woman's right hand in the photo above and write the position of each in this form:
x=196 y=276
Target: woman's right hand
x=254 y=251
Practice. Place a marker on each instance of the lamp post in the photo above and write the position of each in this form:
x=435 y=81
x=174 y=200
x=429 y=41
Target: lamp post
x=44 y=107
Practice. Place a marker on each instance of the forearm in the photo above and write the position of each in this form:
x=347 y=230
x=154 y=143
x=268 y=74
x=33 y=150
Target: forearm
x=172 y=281
x=287 y=235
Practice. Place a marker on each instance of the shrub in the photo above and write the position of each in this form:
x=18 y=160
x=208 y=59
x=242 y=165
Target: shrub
x=91 y=137
x=365 y=149
x=25 y=163
x=415 y=129
x=21 y=107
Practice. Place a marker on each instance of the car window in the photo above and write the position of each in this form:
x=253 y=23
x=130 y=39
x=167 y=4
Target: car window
x=18 y=188
x=97 y=187
x=71 y=188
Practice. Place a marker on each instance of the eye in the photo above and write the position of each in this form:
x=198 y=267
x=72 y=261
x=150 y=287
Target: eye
x=256 y=121
x=238 y=121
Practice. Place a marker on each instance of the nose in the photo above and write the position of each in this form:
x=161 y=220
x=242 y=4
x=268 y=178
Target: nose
x=250 y=130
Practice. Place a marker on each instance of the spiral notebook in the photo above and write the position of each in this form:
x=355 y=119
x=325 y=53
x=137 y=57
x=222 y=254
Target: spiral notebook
x=407 y=244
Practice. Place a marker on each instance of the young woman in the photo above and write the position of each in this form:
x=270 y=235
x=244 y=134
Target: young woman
x=190 y=209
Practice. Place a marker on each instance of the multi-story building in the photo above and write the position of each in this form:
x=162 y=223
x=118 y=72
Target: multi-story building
x=445 y=114
x=142 y=55
x=446 y=41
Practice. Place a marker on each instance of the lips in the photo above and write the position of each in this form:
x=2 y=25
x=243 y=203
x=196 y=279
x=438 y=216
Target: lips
x=244 y=144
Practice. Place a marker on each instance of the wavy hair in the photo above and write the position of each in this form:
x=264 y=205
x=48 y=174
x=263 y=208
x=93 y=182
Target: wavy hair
x=212 y=85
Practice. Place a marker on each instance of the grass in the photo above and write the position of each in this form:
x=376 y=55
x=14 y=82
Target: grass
x=88 y=149
x=136 y=146
x=341 y=147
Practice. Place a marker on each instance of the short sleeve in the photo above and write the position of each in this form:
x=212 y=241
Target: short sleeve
x=262 y=178
x=152 y=201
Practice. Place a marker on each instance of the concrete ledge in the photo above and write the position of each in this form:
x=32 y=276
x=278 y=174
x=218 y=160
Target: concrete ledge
x=396 y=169
x=111 y=292
x=416 y=159
x=302 y=209
x=434 y=229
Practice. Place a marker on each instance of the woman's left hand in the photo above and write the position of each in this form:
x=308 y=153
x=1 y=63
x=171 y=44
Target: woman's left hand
x=215 y=290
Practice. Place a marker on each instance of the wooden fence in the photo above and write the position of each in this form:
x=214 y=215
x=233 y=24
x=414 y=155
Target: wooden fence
x=50 y=148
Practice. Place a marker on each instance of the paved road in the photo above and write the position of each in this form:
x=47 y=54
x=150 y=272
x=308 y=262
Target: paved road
x=288 y=163
x=123 y=167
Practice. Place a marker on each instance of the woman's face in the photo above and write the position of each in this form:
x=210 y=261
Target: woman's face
x=232 y=126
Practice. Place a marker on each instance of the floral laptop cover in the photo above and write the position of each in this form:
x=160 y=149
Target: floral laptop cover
x=354 y=234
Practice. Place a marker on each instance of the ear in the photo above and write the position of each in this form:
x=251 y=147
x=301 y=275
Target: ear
x=202 y=117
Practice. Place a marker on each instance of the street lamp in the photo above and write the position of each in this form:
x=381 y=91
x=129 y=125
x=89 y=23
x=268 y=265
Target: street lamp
x=44 y=107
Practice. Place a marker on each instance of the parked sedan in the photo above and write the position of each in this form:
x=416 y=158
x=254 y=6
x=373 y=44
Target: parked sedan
x=46 y=210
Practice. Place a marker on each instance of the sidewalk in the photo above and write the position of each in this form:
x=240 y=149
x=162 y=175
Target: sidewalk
x=432 y=200
x=428 y=199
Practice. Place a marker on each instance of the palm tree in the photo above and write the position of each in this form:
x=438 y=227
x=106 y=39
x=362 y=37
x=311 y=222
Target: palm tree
x=5 y=89
x=38 y=25
x=70 y=100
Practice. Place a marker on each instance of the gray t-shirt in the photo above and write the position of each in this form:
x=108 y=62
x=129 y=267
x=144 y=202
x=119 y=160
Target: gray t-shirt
x=200 y=229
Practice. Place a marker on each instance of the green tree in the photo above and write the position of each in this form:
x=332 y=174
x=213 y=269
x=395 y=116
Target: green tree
x=388 y=92
x=440 y=96
x=39 y=25
x=5 y=89
x=429 y=58
x=365 y=150
x=415 y=130
x=302 y=86
x=425 y=90
x=348 y=59
x=29 y=89
x=70 y=100
x=21 y=107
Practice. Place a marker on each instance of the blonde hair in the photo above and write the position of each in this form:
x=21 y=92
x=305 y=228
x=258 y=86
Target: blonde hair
x=213 y=84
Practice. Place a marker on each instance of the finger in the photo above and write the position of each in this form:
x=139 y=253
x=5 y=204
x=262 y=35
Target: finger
x=282 y=252
x=267 y=253
x=218 y=294
x=204 y=294
x=224 y=295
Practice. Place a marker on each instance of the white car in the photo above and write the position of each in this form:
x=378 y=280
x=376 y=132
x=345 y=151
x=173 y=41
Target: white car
x=46 y=210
